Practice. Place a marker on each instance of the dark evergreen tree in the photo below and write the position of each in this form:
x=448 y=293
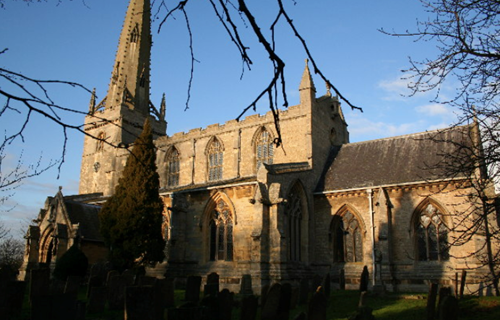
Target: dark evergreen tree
x=131 y=219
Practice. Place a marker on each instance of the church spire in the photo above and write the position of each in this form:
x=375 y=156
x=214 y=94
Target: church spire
x=306 y=88
x=130 y=77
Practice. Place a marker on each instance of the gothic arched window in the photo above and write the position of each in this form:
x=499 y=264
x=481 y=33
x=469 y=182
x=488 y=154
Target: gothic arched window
x=215 y=160
x=294 y=215
x=221 y=233
x=431 y=235
x=134 y=37
x=173 y=168
x=347 y=238
x=100 y=142
x=264 y=149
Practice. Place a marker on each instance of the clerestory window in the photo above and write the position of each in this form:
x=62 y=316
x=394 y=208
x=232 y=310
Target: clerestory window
x=173 y=169
x=264 y=149
x=215 y=160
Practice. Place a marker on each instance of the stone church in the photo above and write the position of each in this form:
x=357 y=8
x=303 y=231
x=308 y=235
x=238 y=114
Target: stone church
x=238 y=205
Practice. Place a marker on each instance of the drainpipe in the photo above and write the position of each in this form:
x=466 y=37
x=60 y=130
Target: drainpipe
x=371 y=213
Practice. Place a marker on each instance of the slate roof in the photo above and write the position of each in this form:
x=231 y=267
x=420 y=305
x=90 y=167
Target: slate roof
x=87 y=216
x=396 y=160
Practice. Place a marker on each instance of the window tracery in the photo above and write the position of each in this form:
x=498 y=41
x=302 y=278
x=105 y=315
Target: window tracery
x=431 y=235
x=221 y=233
x=264 y=149
x=215 y=160
x=347 y=239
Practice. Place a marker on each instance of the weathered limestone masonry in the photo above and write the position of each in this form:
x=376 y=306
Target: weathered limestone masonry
x=237 y=205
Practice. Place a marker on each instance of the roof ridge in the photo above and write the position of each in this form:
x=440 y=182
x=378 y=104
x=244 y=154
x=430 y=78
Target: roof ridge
x=411 y=134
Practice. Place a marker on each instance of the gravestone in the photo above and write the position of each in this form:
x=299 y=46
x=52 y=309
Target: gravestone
x=294 y=300
x=365 y=279
x=40 y=307
x=246 y=285
x=264 y=290
x=326 y=283
x=362 y=299
x=188 y=310
x=141 y=303
x=303 y=291
x=249 y=306
x=363 y=313
x=116 y=291
x=443 y=293
x=81 y=310
x=146 y=281
x=272 y=301
x=94 y=281
x=448 y=308
x=212 y=286
x=226 y=299
x=39 y=283
x=97 y=300
x=56 y=286
x=72 y=285
x=342 y=279
x=11 y=299
x=193 y=289
x=317 y=306
x=431 y=301
x=63 y=307
x=210 y=307
x=285 y=299
x=167 y=291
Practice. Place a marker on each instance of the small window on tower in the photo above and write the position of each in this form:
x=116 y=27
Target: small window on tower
x=134 y=37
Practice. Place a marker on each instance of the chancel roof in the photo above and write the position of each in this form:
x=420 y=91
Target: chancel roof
x=404 y=159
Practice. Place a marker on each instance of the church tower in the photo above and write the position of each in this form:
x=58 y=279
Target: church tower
x=115 y=122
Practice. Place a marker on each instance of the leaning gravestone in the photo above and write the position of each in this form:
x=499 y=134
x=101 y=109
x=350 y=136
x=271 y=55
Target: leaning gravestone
x=94 y=281
x=212 y=286
x=317 y=306
x=249 y=306
x=193 y=288
x=226 y=299
x=285 y=299
x=431 y=301
x=365 y=278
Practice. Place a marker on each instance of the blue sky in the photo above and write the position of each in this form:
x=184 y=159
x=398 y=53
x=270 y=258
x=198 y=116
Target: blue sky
x=77 y=41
